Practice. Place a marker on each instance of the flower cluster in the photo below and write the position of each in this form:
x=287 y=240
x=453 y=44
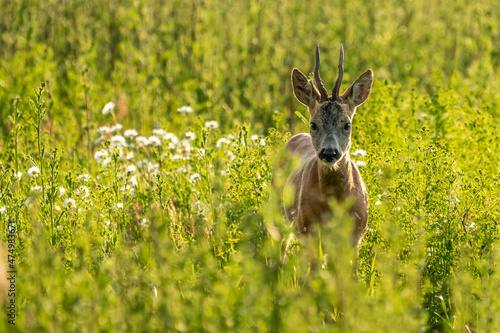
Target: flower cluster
x=133 y=160
x=360 y=153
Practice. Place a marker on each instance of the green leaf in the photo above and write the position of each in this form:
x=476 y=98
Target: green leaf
x=301 y=117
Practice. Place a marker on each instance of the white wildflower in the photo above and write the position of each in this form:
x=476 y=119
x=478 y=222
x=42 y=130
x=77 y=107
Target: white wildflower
x=117 y=206
x=131 y=168
x=154 y=141
x=129 y=155
x=100 y=156
x=194 y=178
x=18 y=175
x=262 y=142
x=127 y=189
x=171 y=139
x=104 y=130
x=185 y=109
x=106 y=161
x=36 y=188
x=185 y=147
x=83 y=191
x=359 y=153
x=212 y=124
x=3 y=210
x=33 y=171
x=133 y=180
x=360 y=164
x=225 y=172
x=221 y=142
x=154 y=168
x=141 y=141
x=472 y=227
x=117 y=141
x=159 y=132
x=144 y=223
x=176 y=157
x=130 y=133
x=85 y=177
x=231 y=156
x=378 y=203
x=190 y=136
x=62 y=191
x=60 y=228
x=108 y=107
x=254 y=137
x=56 y=207
x=70 y=203
x=116 y=128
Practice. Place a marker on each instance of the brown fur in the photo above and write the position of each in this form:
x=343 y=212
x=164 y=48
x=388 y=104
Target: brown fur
x=317 y=181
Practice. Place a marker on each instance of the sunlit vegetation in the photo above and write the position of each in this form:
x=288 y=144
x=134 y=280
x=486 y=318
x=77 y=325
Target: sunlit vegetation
x=138 y=163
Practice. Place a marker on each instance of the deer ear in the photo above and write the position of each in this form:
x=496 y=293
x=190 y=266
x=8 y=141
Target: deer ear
x=304 y=90
x=359 y=91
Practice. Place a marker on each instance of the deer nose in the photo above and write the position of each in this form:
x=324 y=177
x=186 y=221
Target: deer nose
x=329 y=154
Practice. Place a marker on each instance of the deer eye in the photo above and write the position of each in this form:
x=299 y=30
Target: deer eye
x=314 y=126
x=347 y=126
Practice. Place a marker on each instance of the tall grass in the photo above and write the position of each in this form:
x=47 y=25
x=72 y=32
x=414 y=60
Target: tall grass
x=176 y=227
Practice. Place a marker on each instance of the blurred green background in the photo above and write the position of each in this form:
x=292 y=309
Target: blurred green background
x=217 y=255
x=231 y=60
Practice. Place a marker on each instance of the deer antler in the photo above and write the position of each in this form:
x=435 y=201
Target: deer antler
x=335 y=91
x=317 y=78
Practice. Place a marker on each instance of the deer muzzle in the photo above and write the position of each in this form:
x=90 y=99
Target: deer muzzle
x=329 y=155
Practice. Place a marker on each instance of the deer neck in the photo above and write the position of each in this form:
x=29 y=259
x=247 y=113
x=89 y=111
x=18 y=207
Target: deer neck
x=335 y=181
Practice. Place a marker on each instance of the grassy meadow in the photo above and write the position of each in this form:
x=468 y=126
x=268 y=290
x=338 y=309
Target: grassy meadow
x=138 y=141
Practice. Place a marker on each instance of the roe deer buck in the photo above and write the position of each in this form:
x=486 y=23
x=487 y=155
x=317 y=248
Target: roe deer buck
x=326 y=171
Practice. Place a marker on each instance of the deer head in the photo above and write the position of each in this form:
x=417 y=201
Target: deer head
x=331 y=117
